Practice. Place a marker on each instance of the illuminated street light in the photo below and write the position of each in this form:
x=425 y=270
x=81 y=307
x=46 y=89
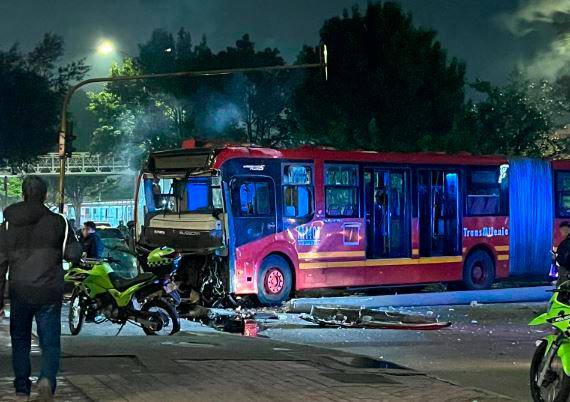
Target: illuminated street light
x=105 y=47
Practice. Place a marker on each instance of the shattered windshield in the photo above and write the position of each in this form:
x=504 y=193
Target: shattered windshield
x=179 y=194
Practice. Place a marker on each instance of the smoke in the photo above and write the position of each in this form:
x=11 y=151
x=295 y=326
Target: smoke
x=551 y=63
x=532 y=13
x=224 y=116
x=550 y=18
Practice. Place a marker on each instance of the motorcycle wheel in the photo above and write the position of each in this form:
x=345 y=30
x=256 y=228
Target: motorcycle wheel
x=557 y=388
x=76 y=315
x=165 y=312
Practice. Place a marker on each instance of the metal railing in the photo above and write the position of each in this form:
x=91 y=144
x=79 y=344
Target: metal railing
x=80 y=164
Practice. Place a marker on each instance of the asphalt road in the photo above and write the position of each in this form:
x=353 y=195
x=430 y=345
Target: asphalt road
x=488 y=346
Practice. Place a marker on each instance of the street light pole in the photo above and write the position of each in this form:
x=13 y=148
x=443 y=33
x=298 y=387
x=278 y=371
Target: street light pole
x=207 y=73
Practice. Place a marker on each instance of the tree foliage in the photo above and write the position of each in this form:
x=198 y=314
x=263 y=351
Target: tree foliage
x=391 y=83
x=518 y=118
x=160 y=113
x=391 y=87
x=32 y=86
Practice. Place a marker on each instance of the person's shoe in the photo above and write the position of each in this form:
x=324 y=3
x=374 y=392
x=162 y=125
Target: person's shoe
x=44 y=390
x=20 y=396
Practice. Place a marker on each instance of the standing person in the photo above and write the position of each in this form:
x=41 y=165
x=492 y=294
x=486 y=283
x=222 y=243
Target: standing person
x=72 y=224
x=124 y=230
x=33 y=241
x=563 y=253
x=380 y=209
x=92 y=244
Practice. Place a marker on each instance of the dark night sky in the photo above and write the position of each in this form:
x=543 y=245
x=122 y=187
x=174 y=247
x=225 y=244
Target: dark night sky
x=491 y=36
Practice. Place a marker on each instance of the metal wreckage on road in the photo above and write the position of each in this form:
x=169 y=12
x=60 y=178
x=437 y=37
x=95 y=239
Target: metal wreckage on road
x=347 y=317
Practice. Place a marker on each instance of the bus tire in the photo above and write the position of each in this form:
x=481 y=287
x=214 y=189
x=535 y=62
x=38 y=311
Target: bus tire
x=478 y=271
x=274 y=281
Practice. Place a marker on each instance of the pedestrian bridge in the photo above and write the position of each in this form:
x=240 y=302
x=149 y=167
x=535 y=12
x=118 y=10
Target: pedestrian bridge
x=80 y=164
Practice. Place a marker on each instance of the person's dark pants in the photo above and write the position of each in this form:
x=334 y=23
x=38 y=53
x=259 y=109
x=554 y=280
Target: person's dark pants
x=48 y=321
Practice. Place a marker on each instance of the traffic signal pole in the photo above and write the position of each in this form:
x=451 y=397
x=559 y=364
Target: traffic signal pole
x=64 y=129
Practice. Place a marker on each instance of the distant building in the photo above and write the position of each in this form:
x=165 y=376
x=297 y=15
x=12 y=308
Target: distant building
x=111 y=212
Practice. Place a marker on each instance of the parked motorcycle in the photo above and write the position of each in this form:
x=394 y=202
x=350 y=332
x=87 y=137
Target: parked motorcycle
x=550 y=367
x=149 y=300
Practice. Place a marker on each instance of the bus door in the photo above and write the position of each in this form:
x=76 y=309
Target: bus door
x=438 y=212
x=253 y=208
x=387 y=213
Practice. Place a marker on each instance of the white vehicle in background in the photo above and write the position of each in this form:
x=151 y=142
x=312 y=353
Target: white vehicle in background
x=102 y=225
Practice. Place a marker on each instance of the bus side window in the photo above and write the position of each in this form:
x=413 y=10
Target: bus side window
x=341 y=191
x=297 y=191
x=251 y=198
x=484 y=193
x=563 y=194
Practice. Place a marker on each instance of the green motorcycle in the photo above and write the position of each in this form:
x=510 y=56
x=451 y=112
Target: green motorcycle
x=550 y=367
x=148 y=300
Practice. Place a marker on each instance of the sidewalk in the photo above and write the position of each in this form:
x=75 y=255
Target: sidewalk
x=223 y=367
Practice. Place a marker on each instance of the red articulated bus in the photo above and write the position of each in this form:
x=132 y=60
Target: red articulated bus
x=269 y=222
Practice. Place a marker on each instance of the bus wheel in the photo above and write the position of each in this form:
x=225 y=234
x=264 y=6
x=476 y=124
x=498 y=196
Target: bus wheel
x=274 y=281
x=478 y=271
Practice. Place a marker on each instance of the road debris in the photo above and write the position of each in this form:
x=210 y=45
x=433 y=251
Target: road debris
x=237 y=321
x=367 y=318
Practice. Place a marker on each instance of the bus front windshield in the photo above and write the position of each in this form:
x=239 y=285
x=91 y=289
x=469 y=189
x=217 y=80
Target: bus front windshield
x=193 y=195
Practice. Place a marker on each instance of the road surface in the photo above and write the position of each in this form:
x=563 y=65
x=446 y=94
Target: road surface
x=488 y=346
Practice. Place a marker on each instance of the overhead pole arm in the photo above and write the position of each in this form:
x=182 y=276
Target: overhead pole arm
x=205 y=73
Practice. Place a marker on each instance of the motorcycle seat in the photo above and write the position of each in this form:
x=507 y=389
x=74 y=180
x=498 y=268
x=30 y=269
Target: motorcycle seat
x=120 y=283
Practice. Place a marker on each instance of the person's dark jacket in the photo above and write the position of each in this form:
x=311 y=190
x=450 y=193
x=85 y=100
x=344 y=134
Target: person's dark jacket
x=32 y=251
x=563 y=254
x=93 y=246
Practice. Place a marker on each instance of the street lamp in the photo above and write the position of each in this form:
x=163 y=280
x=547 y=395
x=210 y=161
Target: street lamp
x=105 y=47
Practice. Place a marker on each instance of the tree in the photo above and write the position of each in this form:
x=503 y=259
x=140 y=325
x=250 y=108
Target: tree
x=132 y=120
x=32 y=86
x=517 y=119
x=139 y=117
x=390 y=84
x=262 y=97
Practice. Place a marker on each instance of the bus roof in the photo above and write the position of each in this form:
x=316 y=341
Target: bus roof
x=561 y=164
x=184 y=159
x=325 y=154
